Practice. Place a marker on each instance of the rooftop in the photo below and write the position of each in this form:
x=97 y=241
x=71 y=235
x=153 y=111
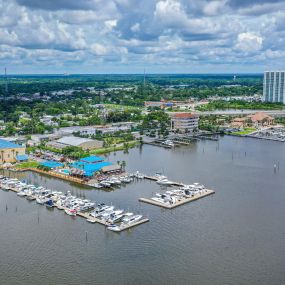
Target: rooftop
x=184 y=115
x=259 y=117
x=92 y=159
x=51 y=164
x=74 y=141
x=89 y=169
x=7 y=144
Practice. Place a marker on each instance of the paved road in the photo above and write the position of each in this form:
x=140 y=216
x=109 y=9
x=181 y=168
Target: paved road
x=277 y=113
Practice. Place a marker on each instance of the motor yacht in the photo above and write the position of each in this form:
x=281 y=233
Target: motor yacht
x=164 y=181
x=49 y=203
x=114 y=228
x=70 y=212
x=132 y=219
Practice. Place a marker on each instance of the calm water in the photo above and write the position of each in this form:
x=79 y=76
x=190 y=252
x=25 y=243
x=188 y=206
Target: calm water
x=236 y=236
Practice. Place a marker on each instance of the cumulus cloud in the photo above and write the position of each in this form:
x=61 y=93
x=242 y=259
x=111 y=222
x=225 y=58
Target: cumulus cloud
x=249 y=42
x=133 y=32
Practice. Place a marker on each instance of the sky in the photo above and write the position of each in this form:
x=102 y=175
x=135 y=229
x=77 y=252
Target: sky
x=128 y=36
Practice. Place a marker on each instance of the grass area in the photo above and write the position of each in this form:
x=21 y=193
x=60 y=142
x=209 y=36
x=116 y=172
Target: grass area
x=246 y=131
x=27 y=164
x=113 y=148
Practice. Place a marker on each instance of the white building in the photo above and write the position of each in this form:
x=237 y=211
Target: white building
x=86 y=144
x=184 y=122
x=48 y=120
x=274 y=86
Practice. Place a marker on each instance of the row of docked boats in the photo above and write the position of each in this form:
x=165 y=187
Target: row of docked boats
x=174 y=196
x=114 y=219
x=115 y=180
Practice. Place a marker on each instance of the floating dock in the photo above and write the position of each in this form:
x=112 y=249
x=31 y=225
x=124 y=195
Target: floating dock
x=122 y=227
x=179 y=203
x=86 y=215
x=153 y=178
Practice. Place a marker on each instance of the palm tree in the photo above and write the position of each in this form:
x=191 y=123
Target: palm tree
x=123 y=165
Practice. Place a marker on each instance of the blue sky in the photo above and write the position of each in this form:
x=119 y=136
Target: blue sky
x=126 y=36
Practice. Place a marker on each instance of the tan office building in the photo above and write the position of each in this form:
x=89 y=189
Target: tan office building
x=9 y=151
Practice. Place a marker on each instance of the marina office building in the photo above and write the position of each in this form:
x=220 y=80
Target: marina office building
x=274 y=86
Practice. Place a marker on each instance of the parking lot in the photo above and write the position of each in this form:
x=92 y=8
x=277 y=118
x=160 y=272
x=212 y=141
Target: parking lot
x=277 y=134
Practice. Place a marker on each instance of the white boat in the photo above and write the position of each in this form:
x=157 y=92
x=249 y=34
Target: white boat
x=22 y=193
x=115 y=218
x=40 y=200
x=70 y=212
x=105 y=184
x=114 y=228
x=169 y=143
x=132 y=219
x=59 y=205
x=159 y=176
x=92 y=221
x=108 y=213
x=156 y=199
x=164 y=181
x=103 y=210
x=96 y=185
x=139 y=175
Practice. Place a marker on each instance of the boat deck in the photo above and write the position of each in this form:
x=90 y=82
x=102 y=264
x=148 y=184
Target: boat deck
x=179 y=203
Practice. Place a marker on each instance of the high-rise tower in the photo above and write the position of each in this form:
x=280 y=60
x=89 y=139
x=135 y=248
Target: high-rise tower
x=274 y=86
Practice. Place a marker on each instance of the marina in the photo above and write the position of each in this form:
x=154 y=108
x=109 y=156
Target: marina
x=114 y=220
x=201 y=239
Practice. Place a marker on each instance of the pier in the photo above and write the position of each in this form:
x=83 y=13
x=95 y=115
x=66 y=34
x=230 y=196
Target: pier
x=183 y=201
x=86 y=215
x=99 y=221
x=153 y=178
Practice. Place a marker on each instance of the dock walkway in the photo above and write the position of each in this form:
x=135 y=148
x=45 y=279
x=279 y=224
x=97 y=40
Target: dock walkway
x=179 y=203
x=86 y=215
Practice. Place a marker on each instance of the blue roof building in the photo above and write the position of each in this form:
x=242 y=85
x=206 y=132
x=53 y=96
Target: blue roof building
x=22 y=157
x=6 y=144
x=92 y=159
x=89 y=168
x=51 y=164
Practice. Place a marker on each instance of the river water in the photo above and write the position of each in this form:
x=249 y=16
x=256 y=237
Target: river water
x=236 y=236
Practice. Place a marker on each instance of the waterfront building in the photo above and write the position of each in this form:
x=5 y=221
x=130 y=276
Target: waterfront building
x=256 y=120
x=9 y=151
x=85 y=144
x=260 y=120
x=274 y=86
x=184 y=122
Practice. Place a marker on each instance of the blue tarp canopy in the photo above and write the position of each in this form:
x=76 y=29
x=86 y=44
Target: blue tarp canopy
x=51 y=164
x=22 y=157
x=92 y=159
x=89 y=169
